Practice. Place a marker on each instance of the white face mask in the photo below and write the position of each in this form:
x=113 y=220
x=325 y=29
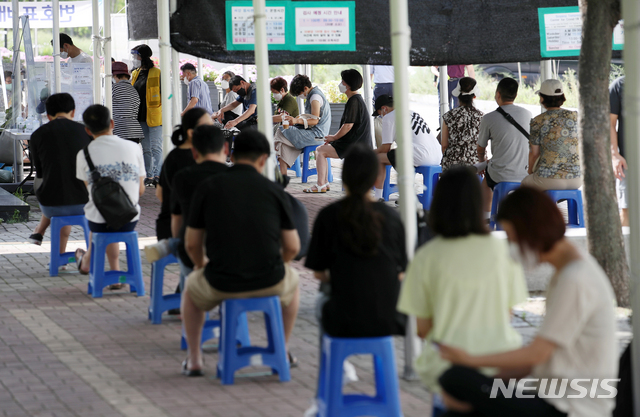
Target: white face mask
x=186 y=81
x=277 y=96
x=64 y=55
x=527 y=257
x=224 y=84
x=342 y=88
x=135 y=63
x=302 y=97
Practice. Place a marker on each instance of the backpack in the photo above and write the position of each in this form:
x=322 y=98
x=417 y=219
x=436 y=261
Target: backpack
x=110 y=198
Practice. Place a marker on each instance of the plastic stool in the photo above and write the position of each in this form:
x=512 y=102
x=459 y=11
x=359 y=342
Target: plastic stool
x=438 y=406
x=500 y=191
x=388 y=188
x=333 y=403
x=159 y=303
x=574 y=204
x=296 y=167
x=231 y=358
x=306 y=171
x=431 y=175
x=57 y=259
x=209 y=332
x=99 y=278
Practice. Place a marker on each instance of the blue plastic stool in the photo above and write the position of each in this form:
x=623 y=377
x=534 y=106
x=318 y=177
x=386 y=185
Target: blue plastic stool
x=438 y=406
x=99 y=278
x=500 y=191
x=430 y=175
x=159 y=303
x=574 y=204
x=57 y=259
x=306 y=171
x=296 y=167
x=388 y=188
x=209 y=332
x=231 y=358
x=333 y=403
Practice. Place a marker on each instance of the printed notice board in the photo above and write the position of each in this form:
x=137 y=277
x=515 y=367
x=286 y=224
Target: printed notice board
x=561 y=32
x=299 y=26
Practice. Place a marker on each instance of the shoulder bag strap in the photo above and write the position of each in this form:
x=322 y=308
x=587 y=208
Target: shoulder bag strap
x=513 y=122
x=95 y=175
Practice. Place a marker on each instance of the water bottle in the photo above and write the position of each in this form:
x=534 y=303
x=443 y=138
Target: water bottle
x=20 y=123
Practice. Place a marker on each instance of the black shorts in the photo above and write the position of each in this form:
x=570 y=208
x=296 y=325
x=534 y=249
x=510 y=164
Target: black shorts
x=103 y=228
x=391 y=155
x=491 y=183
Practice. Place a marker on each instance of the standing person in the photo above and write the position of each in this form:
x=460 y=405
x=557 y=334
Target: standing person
x=145 y=78
x=554 y=151
x=248 y=97
x=461 y=128
x=509 y=145
x=69 y=50
x=454 y=74
x=229 y=98
x=198 y=94
x=126 y=105
x=287 y=104
x=577 y=337
x=354 y=128
x=121 y=160
x=383 y=77
x=616 y=90
x=289 y=143
x=53 y=148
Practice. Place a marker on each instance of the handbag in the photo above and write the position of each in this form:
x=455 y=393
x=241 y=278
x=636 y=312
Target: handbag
x=110 y=198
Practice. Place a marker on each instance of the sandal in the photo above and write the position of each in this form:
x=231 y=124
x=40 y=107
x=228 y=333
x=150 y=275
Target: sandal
x=293 y=361
x=318 y=189
x=190 y=372
x=79 y=255
x=116 y=286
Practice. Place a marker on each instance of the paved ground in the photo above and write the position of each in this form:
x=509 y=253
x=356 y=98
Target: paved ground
x=63 y=353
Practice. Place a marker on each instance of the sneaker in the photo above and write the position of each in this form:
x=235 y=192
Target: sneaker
x=36 y=239
x=148 y=182
x=157 y=251
x=156 y=181
x=313 y=410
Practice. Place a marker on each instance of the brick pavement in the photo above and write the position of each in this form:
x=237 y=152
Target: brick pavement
x=64 y=354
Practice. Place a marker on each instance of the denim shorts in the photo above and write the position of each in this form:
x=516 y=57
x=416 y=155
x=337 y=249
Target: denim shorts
x=59 y=211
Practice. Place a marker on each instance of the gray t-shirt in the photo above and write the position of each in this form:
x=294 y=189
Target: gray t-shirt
x=509 y=147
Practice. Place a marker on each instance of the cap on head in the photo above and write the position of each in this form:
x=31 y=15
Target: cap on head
x=551 y=88
x=383 y=100
x=119 y=68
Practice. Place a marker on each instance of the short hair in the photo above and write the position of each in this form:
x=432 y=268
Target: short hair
x=353 y=78
x=298 y=83
x=231 y=74
x=127 y=76
x=508 y=89
x=250 y=145
x=64 y=38
x=8 y=74
x=278 y=84
x=208 y=139
x=535 y=217
x=97 y=118
x=456 y=208
x=553 y=101
x=188 y=67
x=60 y=103
x=235 y=80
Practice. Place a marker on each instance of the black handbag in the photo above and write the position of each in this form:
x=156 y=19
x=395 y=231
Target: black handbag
x=110 y=198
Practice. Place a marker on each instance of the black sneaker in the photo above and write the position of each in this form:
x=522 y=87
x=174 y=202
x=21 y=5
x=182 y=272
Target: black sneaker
x=148 y=182
x=36 y=239
x=156 y=181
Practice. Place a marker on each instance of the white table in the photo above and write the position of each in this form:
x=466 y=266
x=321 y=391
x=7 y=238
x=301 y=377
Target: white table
x=17 y=136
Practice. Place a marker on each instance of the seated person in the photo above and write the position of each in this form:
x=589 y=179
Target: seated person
x=577 y=337
x=289 y=143
x=248 y=97
x=355 y=127
x=462 y=284
x=426 y=149
x=229 y=97
x=287 y=104
x=121 y=160
x=244 y=206
x=53 y=148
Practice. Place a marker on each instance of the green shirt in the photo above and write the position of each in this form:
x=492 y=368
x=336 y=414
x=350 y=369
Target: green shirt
x=288 y=105
x=467 y=286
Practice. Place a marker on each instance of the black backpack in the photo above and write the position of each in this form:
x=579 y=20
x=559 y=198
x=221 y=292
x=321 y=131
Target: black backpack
x=110 y=198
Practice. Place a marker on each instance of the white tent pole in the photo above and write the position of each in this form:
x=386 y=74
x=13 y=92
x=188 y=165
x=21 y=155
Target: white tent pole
x=298 y=70
x=200 y=69
x=245 y=73
x=176 y=87
x=631 y=15
x=262 y=71
x=17 y=75
x=400 y=47
x=165 y=75
x=107 y=53
x=368 y=98
x=55 y=4
x=443 y=80
x=97 y=85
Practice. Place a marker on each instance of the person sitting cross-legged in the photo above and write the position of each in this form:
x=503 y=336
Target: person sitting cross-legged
x=241 y=237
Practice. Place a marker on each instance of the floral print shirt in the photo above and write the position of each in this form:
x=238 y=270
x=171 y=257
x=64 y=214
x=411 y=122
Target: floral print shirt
x=556 y=132
x=464 y=127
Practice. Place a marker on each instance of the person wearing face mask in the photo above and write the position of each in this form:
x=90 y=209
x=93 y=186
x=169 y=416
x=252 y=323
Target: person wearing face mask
x=145 y=78
x=197 y=90
x=248 y=98
x=287 y=104
x=69 y=50
x=303 y=132
x=229 y=97
x=577 y=337
x=426 y=149
x=462 y=284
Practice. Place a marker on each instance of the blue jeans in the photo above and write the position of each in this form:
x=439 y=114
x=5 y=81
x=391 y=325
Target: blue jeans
x=174 y=242
x=152 y=149
x=59 y=211
x=381 y=89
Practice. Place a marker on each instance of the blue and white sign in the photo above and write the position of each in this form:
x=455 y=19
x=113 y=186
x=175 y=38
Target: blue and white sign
x=73 y=14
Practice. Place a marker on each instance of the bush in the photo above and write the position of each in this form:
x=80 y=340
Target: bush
x=332 y=92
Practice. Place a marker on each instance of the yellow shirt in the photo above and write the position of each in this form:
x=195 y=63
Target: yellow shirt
x=467 y=286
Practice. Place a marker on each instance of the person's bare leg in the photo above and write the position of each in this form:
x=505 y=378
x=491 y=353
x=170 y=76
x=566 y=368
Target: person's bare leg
x=454 y=404
x=64 y=238
x=624 y=217
x=382 y=175
x=193 y=321
x=487 y=196
x=42 y=227
x=283 y=166
x=289 y=315
x=86 y=259
x=321 y=165
x=113 y=256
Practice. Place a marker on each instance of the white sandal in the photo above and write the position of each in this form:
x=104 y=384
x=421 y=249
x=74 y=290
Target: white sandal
x=318 y=189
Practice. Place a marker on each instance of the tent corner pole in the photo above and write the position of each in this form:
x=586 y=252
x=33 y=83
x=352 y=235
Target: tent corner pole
x=55 y=4
x=368 y=97
x=165 y=74
x=262 y=72
x=97 y=84
x=107 y=53
x=443 y=82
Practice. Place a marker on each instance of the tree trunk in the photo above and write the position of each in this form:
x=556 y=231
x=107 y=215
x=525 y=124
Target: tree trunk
x=604 y=229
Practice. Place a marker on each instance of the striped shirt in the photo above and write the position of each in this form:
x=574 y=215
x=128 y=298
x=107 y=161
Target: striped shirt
x=200 y=90
x=126 y=103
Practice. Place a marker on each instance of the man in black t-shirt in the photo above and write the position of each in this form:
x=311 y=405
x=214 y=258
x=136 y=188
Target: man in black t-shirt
x=53 y=148
x=250 y=239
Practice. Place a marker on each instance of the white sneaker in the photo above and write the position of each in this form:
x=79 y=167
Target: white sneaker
x=313 y=410
x=157 y=251
x=349 y=373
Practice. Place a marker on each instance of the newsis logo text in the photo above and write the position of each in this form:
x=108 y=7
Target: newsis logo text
x=555 y=388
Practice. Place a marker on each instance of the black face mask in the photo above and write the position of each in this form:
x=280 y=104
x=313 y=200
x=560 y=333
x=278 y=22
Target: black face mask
x=241 y=92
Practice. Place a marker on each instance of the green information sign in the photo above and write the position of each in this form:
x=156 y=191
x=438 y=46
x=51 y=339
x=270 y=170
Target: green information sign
x=299 y=26
x=561 y=32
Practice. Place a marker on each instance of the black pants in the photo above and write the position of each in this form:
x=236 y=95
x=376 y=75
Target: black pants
x=228 y=116
x=470 y=386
